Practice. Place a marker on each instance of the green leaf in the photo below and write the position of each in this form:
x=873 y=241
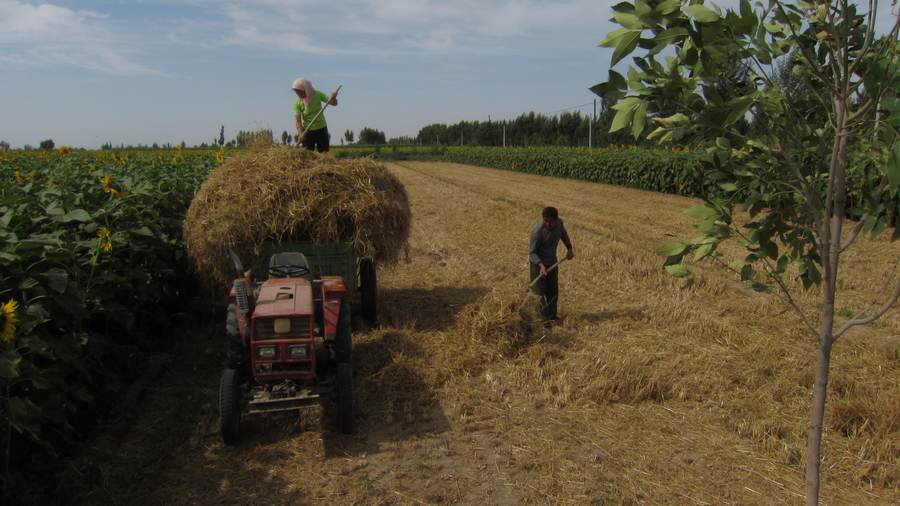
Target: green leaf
x=759 y=287
x=57 y=279
x=628 y=20
x=672 y=249
x=728 y=187
x=782 y=263
x=893 y=166
x=624 y=113
x=9 y=364
x=747 y=273
x=8 y=258
x=701 y=13
x=704 y=251
x=738 y=108
x=668 y=7
x=746 y=9
x=878 y=229
x=76 y=215
x=626 y=45
x=672 y=34
x=143 y=231
x=639 y=121
x=623 y=7
x=701 y=212
x=678 y=270
x=613 y=37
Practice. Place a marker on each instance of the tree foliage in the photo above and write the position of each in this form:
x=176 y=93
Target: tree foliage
x=820 y=90
x=371 y=136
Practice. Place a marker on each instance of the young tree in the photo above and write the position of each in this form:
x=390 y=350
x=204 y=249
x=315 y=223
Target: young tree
x=795 y=177
x=47 y=144
x=4 y=146
x=222 y=136
x=285 y=137
x=348 y=136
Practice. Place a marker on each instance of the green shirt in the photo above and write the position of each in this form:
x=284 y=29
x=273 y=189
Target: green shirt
x=307 y=114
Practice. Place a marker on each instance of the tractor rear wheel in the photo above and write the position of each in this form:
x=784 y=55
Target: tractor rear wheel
x=345 y=397
x=343 y=339
x=368 y=290
x=230 y=406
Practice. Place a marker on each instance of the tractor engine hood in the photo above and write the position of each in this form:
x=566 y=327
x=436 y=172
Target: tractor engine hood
x=284 y=297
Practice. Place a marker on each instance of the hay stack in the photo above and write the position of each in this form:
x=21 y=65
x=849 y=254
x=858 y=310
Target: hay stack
x=287 y=194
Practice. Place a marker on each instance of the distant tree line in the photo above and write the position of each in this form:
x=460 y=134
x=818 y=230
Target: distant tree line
x=529 y=129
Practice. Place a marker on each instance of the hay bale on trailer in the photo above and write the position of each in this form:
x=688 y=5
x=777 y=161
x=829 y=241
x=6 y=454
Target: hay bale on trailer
x=288 y=195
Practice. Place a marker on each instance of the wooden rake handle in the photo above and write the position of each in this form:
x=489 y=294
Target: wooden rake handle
x=554 y=266
x=323 y=108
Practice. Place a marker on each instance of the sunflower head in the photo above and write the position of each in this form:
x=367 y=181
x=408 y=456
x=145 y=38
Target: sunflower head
x=8 y=311
x=104 y=239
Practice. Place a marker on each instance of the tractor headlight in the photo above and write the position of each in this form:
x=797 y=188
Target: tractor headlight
x=282 y=325
x=298 y=351
x=266 y=351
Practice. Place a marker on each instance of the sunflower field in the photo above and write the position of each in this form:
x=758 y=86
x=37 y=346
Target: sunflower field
x=92 y=272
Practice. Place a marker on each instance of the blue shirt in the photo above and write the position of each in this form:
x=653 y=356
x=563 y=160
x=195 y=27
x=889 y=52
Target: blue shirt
x=544 y=242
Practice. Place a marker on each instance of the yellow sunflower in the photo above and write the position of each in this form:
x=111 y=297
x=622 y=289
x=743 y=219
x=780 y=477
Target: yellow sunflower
x=10 y=319
x=18 y=176
x=104 y=239
x=104 y=182
x=220 y=156
x=65 y=151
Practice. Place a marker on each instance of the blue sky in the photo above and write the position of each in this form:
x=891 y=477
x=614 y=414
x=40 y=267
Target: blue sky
x=84 y=73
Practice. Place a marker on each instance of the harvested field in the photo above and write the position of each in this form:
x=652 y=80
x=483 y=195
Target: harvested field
x=646 y=394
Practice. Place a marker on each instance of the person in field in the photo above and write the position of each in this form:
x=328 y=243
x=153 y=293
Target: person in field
x=312 y=130
x=542 y=256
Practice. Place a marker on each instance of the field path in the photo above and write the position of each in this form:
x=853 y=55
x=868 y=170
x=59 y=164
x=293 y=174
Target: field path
x=646 y=394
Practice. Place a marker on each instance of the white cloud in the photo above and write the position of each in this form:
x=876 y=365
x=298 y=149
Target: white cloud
x=49 y=35
x=397 y=26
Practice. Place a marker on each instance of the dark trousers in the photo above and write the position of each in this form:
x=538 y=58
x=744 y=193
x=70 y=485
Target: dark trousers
x=317 y=140
x=548 y=288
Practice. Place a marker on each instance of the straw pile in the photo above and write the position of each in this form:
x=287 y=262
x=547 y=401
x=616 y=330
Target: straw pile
x=285 y=194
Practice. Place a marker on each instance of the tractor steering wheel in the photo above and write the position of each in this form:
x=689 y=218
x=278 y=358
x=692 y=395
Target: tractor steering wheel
x=288 y=271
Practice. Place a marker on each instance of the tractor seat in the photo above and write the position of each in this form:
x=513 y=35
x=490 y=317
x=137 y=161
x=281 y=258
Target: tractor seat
x=289 y=264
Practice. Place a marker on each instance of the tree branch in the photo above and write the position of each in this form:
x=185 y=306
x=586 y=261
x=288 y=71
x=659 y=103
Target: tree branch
x=770 y=272
x=862 y=221
x=790 y=300
x=870 y=31
x=803 y=50
x=869 y=319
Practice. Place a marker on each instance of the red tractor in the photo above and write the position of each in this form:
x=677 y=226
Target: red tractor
x=289 y=339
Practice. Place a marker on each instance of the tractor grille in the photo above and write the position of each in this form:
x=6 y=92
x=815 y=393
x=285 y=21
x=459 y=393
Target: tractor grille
x=265 y=328
x=283 y=367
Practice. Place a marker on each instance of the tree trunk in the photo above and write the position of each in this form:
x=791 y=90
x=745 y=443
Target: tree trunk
x=831 y=249
x=817 y=416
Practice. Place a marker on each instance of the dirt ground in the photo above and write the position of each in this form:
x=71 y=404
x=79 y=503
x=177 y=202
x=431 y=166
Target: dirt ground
x=647 y=393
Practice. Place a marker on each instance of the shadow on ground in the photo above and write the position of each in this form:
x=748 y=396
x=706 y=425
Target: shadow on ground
x=612 y=314
x=173 y=452
x=427 y=309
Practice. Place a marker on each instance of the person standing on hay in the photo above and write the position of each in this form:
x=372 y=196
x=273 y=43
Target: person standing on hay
x=543 y=262
x=311 y=127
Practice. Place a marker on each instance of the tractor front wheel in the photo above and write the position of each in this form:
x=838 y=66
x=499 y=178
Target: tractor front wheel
x=368 y=290
x=230 y=406
x=343 y=340
x=345 y=397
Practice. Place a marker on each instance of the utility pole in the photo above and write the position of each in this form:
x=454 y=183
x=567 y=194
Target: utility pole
x=594 y=117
